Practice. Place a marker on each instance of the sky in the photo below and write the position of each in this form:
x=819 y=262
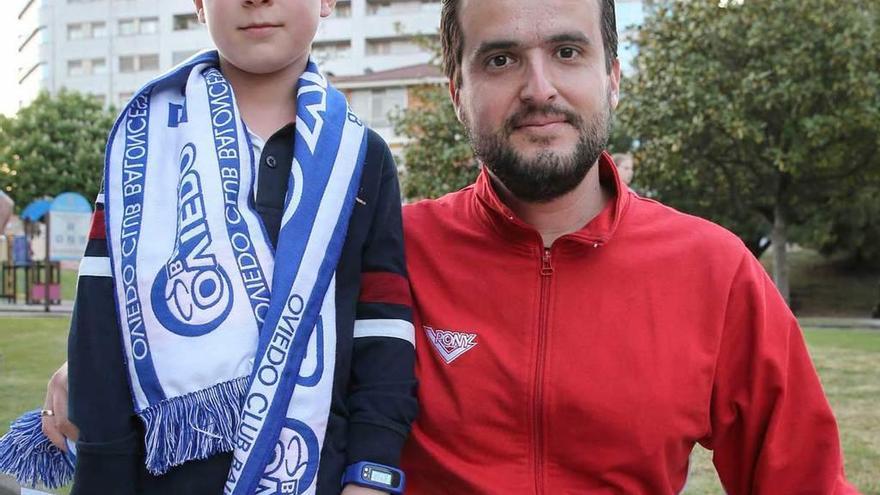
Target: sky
x=8 y=86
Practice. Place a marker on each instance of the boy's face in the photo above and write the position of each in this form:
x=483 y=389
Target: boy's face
x=262 y=36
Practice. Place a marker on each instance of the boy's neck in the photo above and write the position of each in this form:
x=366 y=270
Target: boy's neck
x=267 y=102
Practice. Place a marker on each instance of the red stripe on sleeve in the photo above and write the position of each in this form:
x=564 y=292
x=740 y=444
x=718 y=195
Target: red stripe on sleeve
x=97 y=231
x=385 y=287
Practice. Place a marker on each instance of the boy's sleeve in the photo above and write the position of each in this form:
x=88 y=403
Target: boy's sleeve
x=381 y=400
x=100 y=404
x=772 y=429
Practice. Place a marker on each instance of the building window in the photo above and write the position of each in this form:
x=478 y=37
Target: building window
x=186 y=22
x=99 y=66
x=178 y=57
x=86 y=67
x=75 y=68
x=127 y=27
x=149 y=25
x=395 y=46
x=342 y=10
x=392 y=7
x=325 y=51
x=84 y=30
x=143 y=25
x=137 y=63
x=375 y=105
x=76 y=31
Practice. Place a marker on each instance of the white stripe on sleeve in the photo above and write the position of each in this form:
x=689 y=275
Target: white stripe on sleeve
x=93 y=266
x=398 y=329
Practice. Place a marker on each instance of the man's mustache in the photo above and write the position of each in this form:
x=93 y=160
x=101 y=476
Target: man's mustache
x=532 y=112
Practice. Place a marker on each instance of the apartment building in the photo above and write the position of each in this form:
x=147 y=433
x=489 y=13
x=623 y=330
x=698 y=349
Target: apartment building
x=108 y=48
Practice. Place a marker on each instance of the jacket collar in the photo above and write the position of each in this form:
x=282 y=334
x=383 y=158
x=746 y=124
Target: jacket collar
x=596 y=232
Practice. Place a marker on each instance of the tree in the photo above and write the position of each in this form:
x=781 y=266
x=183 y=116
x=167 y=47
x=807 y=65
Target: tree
x=438 y=158
x=757 y=114
x=53 y=145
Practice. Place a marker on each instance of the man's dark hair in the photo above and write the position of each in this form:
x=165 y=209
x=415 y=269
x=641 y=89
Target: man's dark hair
x=452 y=39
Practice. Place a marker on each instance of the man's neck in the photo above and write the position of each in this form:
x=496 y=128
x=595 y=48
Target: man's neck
x=267 y=102
x=563 y=215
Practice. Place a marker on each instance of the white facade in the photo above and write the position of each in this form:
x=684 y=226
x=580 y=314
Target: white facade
x=109 y=48
x=375 y=35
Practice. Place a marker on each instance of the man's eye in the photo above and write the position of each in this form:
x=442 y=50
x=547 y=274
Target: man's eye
x=567 y=52
x=499 y=61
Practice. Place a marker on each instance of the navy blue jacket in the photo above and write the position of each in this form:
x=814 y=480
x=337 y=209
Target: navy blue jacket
x=373 y=401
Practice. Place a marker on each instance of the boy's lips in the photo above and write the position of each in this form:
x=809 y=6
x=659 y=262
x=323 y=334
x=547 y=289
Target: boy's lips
x=260 y=29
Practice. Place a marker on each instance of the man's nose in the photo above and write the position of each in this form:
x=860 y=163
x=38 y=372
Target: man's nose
x=252 y=3
x=538 y=86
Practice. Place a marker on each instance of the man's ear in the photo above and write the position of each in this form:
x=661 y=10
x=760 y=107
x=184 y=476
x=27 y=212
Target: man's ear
x=455 y=96
x=200 y=10
x=614 y=80
x=327 y=7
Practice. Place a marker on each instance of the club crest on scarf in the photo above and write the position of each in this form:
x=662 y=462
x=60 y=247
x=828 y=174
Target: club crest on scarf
x=294 y=464
x=191 y=294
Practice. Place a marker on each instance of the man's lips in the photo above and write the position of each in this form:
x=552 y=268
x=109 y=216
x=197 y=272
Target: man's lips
x=540 y=122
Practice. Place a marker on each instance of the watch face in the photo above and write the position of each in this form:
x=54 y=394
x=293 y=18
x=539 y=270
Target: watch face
x=380 y=476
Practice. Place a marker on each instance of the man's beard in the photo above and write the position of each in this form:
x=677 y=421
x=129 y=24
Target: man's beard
x=547 y=175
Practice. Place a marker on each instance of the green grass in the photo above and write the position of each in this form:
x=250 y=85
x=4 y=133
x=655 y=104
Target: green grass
x=848 y=362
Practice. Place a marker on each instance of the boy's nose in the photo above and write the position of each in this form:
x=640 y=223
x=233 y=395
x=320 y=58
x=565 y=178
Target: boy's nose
x=252 y=3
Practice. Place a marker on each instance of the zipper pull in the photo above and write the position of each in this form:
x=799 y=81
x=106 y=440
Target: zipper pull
x=546 y=266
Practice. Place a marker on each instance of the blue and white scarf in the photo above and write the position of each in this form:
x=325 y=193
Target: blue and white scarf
x=227 y=351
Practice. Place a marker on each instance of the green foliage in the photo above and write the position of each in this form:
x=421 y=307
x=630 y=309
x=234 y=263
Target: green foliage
x=438 y=159
x=753 y=111
x=53 y=145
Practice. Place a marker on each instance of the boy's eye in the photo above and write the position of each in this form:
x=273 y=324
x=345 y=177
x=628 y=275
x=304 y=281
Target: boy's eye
x=499 y=61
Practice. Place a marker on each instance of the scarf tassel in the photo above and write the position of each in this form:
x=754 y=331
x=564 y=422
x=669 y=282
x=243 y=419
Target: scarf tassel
x=28 y=455
x=193 y=426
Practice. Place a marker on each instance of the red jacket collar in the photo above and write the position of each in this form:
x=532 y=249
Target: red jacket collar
x=596 y=232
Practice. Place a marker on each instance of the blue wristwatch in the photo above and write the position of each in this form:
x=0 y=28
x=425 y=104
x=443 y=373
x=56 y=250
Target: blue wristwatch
x=376 y=476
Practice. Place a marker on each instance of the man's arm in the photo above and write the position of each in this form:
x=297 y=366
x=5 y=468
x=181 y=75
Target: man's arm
x=772 y=430
x=381 y=400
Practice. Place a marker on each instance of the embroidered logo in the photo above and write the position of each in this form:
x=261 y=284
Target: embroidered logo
x=451 y=345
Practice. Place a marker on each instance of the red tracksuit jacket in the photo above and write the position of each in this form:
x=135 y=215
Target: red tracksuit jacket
x=596 y=365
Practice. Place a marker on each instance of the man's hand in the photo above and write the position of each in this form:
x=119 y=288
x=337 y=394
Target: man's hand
x=360 y=490
x=56 y=426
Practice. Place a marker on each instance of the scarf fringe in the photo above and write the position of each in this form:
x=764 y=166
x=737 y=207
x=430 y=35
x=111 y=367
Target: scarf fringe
x=193 y=426
x=28 y=455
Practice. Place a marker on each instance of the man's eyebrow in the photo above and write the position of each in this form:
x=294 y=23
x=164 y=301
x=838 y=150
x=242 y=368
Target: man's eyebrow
x=569 y=37
x=489 y=46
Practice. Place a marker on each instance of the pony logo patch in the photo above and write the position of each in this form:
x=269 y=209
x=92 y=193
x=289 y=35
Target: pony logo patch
x=449 y=344
x=191 y=294
x=294 y=463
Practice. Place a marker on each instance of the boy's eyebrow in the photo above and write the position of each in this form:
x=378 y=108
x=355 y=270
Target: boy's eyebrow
x=502 y=44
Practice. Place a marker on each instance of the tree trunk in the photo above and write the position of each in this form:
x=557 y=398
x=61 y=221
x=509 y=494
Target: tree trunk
x=779 y=239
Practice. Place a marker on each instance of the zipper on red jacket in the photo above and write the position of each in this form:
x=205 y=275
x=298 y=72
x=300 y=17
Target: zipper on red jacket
x=538 y=406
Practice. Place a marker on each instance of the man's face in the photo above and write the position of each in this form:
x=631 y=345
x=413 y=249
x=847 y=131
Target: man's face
x=535 y=96
x=262 y=37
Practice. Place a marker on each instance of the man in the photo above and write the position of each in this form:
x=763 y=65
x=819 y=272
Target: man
x=573 y=337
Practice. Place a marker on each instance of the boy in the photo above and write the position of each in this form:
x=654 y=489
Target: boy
x=218 y=403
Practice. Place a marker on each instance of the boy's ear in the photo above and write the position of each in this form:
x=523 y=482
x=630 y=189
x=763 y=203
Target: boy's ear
x=327 y=7
x=200 y=10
